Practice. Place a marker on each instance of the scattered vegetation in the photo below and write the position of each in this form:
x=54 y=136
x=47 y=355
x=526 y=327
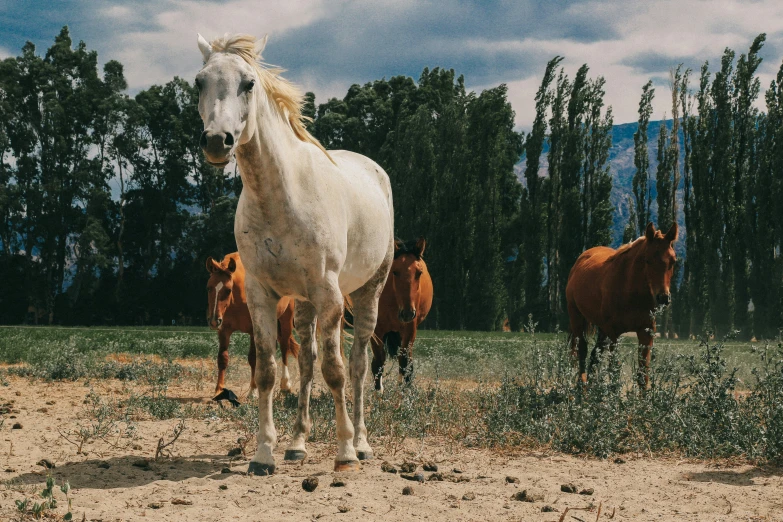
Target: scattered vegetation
x=45 y=508
x=707 y=398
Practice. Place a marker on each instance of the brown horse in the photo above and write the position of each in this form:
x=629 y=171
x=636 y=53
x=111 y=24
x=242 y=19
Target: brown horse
x=227 y=313
x=618 y=291
x=405 y=302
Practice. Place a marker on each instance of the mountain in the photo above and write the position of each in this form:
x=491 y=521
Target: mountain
x=622 y=168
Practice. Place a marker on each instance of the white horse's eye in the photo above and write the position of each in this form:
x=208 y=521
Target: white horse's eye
x=250 y=85
x=197 y=83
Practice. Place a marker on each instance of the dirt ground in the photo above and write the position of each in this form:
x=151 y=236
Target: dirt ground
x=201 y=483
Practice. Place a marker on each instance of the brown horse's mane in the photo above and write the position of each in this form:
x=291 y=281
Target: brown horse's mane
x=628 y=247
x=406 y=247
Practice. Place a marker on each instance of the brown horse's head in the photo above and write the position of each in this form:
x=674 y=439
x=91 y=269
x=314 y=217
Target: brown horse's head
x=219 y=290
x=659 y=259
x=406 y=271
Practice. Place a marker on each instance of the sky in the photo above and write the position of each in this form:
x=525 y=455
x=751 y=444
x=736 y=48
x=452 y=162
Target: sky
x=328 y=45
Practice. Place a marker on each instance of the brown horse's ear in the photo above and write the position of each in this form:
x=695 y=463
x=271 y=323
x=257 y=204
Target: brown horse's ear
x=212 y=265
x=671 y=235
x=232 y=265
x=649 y=232
x=420 y=244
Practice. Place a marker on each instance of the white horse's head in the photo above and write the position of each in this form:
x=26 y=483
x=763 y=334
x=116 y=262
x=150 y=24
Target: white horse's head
x=227 y=86
x=236 y=91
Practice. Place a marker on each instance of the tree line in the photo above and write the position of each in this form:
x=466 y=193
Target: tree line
x=108 y=210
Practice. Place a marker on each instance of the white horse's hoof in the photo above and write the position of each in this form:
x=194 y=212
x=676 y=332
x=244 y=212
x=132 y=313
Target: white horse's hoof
x=260 y=469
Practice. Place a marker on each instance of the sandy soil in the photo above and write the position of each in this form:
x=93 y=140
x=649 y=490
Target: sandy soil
x=201 y=483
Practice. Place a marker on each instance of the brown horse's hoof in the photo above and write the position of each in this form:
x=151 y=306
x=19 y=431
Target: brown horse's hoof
x=347 y=465
x=364 y=455
x=295 y=455
x=259 y=469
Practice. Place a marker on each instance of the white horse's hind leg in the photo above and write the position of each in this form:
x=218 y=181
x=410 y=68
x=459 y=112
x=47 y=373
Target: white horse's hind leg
x=305 y=325
x=365 y=316
x=330 y=315
x=263 y=311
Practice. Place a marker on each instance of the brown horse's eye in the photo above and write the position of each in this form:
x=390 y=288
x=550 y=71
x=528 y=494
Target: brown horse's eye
x=418 y=275
x=396 y=274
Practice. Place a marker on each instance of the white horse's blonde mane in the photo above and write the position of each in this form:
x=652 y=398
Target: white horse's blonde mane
x=288 y=99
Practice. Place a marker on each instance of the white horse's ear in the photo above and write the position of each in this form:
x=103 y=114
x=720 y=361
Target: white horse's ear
x=261 y=44
x=204 y=47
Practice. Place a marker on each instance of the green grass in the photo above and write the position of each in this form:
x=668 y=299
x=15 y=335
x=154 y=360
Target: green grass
x=707 y=399
x=477 y=356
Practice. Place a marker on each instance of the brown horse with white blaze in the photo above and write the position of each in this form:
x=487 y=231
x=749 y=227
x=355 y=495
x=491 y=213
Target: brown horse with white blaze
x=618 y=291
x=405 y=302
x=227 y=312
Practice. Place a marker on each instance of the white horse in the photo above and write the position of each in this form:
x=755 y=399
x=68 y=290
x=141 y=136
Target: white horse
x=309 y=224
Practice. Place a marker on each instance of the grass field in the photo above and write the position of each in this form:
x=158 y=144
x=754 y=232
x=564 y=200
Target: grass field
x=711 y=399
x=454 y=355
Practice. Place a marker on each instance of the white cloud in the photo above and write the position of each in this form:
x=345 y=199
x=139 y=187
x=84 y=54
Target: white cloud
x=627 y=43
x=156 y=56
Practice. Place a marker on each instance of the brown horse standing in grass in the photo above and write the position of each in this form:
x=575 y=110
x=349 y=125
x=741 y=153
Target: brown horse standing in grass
x=618 y=291
x=405 y=302
x=227 y=313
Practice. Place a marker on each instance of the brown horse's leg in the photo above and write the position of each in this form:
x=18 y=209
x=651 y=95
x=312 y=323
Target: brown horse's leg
x=251 y=360
x=285 y=327
x=378 y=358
x=224 y=339
x=645 y=350
x=578 y=327
x=405 y=357
x=600 y=345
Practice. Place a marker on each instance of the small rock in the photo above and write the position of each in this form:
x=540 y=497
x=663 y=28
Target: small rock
x=416 y=477
x=17 y=426
x=309 y=484
x=337 y=483
x=469 y=496
x=181 y=502
x=137 y=447
x=458 y=478
x=430 y=466
x=225 y=470
x=18 y=394
x=233 y=452
x=619 y=460
x=155 y=505
x=587 y=491
x=436 y=477
x=42 y=410
x=46 y=463
x=407 y=490
x=528 y=495
x=50 y=403
x=104 y=465
x=408 y=467
x=512 y=480
x=388 y=468
x=457 y=470
x=343 y=509
x=568 y=488
x=549 y=509
x=10 y=470
x=223 y=487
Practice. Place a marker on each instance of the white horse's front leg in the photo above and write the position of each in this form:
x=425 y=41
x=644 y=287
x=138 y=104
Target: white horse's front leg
x=329 y=304
x=262 y=309
x=305 y=326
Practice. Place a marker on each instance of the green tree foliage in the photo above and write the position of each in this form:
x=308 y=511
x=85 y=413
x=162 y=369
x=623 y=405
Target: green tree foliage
x=641 y=160
x=108 y=209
